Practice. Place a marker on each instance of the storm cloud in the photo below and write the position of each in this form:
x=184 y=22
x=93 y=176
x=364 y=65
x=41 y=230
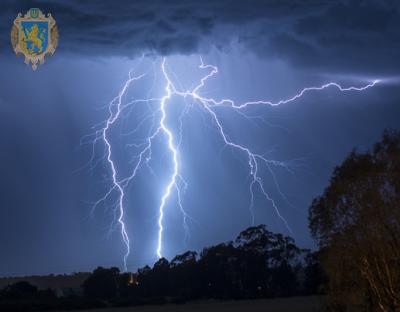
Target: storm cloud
x=342 y=36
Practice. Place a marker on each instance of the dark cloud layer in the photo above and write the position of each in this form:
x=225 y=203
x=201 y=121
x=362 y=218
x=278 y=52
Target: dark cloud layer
x=362 y=35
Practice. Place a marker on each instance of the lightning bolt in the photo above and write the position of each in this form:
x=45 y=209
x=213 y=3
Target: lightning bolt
x=158 y=127
x=174 y=154
x=117 y=185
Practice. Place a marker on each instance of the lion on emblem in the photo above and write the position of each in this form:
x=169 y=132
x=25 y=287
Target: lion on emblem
x=35 y=38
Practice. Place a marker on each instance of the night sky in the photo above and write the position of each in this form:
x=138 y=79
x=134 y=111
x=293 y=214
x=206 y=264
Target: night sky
x=263 y=49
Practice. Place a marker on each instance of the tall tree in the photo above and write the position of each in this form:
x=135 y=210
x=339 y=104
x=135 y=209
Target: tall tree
x=185 y=279
x=356 y=222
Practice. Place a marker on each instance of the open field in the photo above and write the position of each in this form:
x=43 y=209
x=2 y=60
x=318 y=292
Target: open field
x=297 y=304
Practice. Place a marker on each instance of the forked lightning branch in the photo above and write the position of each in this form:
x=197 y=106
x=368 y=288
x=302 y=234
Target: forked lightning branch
x=176 y=183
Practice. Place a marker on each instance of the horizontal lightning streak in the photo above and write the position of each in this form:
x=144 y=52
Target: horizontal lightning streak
x=159 y=127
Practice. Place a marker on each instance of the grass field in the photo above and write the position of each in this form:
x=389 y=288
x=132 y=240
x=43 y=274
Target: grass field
x=297 y=304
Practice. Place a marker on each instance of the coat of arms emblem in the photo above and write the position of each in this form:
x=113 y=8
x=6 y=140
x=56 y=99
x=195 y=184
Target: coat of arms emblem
x=34 y=35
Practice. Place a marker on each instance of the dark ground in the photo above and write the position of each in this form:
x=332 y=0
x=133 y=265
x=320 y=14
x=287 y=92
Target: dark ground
x=296 y=304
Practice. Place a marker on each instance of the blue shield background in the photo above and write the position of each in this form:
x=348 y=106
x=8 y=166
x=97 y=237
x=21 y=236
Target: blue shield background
x=43 y=35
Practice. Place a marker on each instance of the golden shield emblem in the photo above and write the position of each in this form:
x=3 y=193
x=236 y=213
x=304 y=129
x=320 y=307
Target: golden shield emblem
x=34 y=35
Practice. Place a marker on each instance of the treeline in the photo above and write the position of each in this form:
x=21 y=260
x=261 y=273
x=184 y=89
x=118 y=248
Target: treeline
x=23 y=296
x=257 y=264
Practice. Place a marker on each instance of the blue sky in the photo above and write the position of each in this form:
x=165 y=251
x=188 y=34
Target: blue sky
x=47 y=193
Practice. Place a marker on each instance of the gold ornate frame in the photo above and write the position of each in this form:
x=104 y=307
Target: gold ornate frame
x=16 y=33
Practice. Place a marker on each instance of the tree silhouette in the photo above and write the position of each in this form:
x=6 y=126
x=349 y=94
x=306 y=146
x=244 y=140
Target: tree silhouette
x=356 y=222
x=103 y=283
x=185 y=276
x=19 y=290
